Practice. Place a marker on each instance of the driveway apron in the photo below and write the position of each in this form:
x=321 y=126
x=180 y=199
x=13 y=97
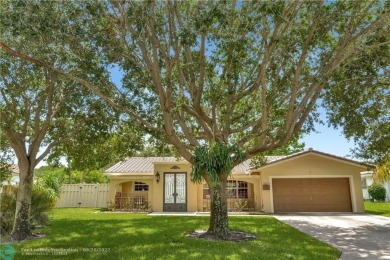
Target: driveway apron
x=357 y=236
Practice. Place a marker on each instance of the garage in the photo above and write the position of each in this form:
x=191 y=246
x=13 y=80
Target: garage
x=311 y=195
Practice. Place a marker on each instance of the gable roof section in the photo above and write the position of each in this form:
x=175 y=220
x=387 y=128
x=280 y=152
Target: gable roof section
x=141 y=165
x=246 y=165
x=311 y=151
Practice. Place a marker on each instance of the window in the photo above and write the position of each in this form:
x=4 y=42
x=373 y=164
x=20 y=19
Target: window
x=237 y=189
x=364 y=183
x=206 y=191
x=140 y=186
x=234 y=189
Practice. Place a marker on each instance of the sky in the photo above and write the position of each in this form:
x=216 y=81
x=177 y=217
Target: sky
x=328 y=140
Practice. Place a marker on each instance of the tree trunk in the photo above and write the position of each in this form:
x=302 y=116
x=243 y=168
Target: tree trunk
x=219 y=226
x=22 y=229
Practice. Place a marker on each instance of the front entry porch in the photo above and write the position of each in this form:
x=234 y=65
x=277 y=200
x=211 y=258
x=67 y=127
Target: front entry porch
x=132 y=196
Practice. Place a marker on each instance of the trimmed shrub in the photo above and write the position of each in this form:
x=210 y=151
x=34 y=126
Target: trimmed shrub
x=377 y=192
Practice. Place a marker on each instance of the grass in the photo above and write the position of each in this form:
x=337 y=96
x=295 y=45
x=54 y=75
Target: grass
x=377 y=208
x=137 y=236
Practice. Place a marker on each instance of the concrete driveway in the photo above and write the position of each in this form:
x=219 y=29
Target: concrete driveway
x=357 y=236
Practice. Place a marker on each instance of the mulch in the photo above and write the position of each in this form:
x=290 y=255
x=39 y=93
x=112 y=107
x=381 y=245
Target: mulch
x=234 y=236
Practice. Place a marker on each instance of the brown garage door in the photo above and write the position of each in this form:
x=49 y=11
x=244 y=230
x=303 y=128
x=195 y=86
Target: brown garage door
x=311 y=195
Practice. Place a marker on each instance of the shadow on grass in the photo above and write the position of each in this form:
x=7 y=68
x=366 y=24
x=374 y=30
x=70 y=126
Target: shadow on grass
x=136 y=236
x=367 y=241
x=377 y=208
x=377 y=212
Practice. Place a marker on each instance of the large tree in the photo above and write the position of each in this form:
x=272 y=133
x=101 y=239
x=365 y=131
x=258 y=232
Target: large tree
x=358 y=99
x=39 y=110
x=220 y=81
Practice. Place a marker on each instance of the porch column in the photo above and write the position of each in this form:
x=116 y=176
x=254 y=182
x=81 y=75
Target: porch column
x=112 y=191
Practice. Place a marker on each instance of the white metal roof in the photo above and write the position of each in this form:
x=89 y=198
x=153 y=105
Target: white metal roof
x=141 y=165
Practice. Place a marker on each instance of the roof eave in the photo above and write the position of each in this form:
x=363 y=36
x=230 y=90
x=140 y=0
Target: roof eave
x=128 y=173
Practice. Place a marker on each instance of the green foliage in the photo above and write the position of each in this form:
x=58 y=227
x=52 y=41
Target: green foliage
x=57 y=172
x=91 y=176
x=91 y=149
x=8 y=206
x=377 y=192
x=258 y=160
x=213 y=160
x=44 y=196
x=382 y=171
x=248 y=75
x=293 y=146
x=50 y=183
x=358 y=98
x=155 y=147
x=5 y=159
x=5 y=171
x=59 y=175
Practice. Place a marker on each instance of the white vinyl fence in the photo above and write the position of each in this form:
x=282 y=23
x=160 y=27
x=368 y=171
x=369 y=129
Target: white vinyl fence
x=83 y=196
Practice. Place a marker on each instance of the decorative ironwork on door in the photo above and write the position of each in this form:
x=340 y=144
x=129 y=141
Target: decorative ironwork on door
x=175 y=192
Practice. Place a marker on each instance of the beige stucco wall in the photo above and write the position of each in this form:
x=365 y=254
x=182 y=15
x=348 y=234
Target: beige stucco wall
x=305 y=166
x=313 y=165
x=124 y=183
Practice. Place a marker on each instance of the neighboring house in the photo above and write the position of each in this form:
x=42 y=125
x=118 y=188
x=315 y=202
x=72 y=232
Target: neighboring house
x=308 y=181
x=367 y=180
x=15 y=176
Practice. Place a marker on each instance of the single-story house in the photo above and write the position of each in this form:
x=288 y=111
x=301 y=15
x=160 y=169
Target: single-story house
x=367 y=180
x=308 y=181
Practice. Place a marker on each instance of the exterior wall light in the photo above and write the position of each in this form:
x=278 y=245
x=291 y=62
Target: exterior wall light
x=157 y=177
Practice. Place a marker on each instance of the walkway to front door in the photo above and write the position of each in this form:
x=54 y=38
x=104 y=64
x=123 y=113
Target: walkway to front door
x=175 y=192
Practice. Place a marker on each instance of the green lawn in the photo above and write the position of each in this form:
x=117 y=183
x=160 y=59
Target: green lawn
x=377 y=208
x=138 y=236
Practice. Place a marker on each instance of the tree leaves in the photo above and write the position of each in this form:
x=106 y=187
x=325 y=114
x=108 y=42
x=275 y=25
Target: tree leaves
x=382 y=171
x=358 y=98
x=213 y=160
x=244 y=72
